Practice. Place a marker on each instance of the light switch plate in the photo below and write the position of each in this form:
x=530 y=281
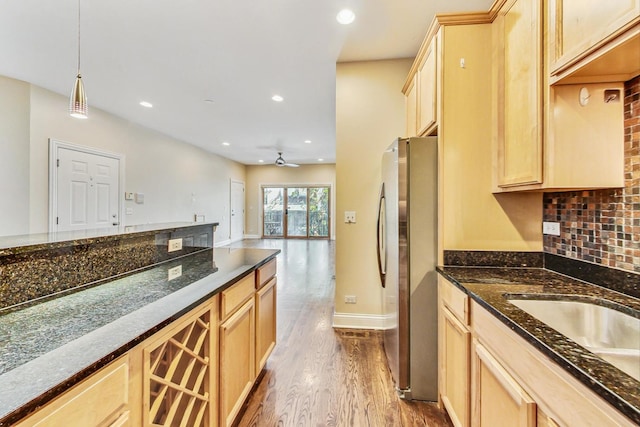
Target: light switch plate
x=140 y=198
x=551 y=228
x=175 y=245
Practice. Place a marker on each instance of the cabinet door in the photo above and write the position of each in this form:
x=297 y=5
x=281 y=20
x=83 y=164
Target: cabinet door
x=427 y=90
x=265 y=323
x=237 y=361
x=498 y=400
x=101 y=399
x=177 y=373
x=411 y=108
x=543 y=420
x=578 y=25
x=456 y=354
x=520 y=127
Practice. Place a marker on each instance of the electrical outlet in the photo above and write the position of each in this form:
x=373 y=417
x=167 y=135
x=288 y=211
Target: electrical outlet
x=174 y=272
x=350 y=299
x=350 y=217
x=175 y=245
x=552 y=228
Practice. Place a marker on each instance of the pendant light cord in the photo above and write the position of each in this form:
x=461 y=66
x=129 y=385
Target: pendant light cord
x=78 y=37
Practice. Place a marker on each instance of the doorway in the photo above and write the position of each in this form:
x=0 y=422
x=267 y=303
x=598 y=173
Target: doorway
x=296 y=212
x=84 y=187
x=237 y=211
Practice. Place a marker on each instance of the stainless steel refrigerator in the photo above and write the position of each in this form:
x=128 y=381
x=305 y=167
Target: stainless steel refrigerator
x=407 y=256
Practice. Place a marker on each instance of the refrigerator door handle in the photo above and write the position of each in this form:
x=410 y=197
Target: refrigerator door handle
x=381 y=246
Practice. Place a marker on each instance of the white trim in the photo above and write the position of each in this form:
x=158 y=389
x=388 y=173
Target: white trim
x=358 y=321
x=252 y=236
x=222 y=243
x=54 y=144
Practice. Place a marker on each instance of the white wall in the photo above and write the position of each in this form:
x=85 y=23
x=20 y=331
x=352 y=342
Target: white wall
x=177 y=179
x=257 y=176
x=14 y=157
x=370 y=113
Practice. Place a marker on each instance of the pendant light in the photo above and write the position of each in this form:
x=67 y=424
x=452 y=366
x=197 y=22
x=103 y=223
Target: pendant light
x=78 y=100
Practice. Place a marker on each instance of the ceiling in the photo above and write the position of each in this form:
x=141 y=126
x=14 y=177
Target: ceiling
x=211 y=67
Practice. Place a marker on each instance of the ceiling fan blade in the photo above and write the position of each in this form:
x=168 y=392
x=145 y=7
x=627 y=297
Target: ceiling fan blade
x=291 y=165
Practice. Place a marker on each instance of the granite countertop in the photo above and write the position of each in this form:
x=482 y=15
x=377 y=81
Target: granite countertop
x=489 y=285
x=47 y=347
x=17 y=244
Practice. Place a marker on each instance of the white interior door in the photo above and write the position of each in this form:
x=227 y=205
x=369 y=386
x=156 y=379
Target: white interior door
x=87 y=186
x=237 y=211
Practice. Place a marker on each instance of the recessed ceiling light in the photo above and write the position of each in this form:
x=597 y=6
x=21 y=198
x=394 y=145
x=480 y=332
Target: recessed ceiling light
x=146 y=104
x=346 y=16
x=308 y=141
x=321 y=160
x=277 y=98
x=226 y=144
x=260 y=161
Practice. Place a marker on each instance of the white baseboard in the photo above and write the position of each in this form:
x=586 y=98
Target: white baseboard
x=358 y=321
x=252 y=236
x=222 y=243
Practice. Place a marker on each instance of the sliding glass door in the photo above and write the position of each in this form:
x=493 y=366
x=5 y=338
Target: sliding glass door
x=296 y=212
x=273 y=203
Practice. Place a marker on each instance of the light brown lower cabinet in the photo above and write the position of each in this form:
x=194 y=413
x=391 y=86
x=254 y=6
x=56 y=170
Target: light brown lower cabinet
x=455 y=387
x=237 y=361
x=265 y=323
x=514 y=384
x=100 y=400
x=498 y=400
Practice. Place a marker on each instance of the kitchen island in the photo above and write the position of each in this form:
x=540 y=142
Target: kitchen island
x=49 y=346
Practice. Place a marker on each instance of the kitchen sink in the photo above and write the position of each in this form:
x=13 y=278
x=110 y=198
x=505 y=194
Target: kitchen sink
x=611 y=334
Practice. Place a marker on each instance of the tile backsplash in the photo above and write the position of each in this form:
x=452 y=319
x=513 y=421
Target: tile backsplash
x=603 y=226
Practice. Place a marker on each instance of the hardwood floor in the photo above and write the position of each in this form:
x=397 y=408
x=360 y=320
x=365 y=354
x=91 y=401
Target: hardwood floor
x=318 y=376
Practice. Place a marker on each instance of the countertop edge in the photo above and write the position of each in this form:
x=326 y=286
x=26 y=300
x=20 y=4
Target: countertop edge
x=600 y=389
x=21 y=243
x=96 y=349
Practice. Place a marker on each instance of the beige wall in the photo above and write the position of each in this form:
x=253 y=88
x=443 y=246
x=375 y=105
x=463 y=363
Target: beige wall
x=472 y=218
x=14 y=157
x=369 y=115
x=257 y=176
x=177 y=179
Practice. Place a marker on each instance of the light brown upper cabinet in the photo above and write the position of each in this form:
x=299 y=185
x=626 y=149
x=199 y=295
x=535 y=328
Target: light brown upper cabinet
x=518 y=51
x=411 y=107
x=549 y=137
x=420 y=93
x=426 y=101
x=593 y=40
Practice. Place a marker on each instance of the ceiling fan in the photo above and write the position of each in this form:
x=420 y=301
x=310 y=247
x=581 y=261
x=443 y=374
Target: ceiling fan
x=281 y=162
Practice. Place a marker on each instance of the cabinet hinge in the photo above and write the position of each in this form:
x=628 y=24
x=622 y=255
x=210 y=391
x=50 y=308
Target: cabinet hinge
x=58 y=162
x=57 y=220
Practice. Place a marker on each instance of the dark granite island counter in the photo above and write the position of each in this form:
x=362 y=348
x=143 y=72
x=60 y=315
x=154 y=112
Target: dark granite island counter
x=49 y=345
x=491 y=286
